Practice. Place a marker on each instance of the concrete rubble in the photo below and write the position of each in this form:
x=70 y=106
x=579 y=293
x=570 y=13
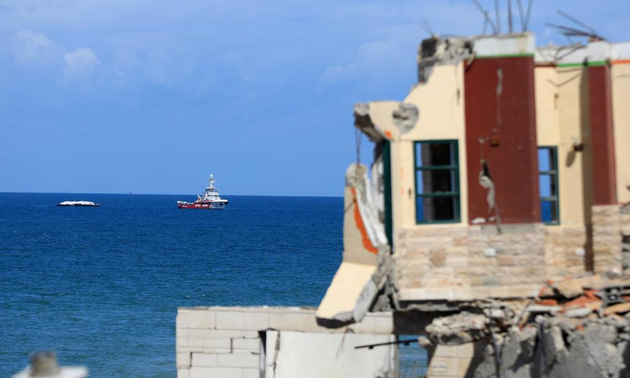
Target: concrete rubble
x=575 y=328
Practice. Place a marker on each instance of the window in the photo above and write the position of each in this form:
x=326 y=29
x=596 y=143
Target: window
x=437 y=181
x=548 y=182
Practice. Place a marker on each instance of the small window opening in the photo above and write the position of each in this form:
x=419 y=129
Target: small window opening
x=437 y=182
x=548 y=184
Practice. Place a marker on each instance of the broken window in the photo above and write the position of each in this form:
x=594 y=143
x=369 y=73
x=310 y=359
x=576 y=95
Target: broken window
x=548 y=183
x=437 y=181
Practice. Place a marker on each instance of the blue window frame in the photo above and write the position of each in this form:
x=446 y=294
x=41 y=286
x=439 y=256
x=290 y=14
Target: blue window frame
x=437 y=181
x=548 y=184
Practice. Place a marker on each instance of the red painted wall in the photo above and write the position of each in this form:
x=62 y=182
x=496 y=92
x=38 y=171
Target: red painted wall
x=506 y=124
x=602 y=136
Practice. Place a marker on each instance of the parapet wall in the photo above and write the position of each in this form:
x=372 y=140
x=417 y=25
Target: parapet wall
x=265 y=342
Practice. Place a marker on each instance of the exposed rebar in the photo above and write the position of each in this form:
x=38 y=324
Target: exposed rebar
x=485 y=14
x=521 y=15
x=498 y=13
x=510 y=26
x=529 y=13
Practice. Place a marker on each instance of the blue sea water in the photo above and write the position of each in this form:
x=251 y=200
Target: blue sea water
x=101 y=286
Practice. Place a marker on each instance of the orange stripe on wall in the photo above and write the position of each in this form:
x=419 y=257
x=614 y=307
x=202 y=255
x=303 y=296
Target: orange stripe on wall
x=623 y=61
x=361 y=226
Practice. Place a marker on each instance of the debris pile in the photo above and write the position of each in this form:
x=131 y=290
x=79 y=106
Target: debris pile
x=576 y=327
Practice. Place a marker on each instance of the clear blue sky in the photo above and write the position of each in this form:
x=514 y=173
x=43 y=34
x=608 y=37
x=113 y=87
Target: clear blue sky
x=151 y=96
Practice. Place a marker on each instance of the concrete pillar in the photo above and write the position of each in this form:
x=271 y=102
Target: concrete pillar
x=602 y=134
x=501 y=129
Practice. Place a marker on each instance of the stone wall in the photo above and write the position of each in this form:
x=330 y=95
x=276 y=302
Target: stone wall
x=226 y=342
x=607 y=238
x=568 y=251
x=468 y=262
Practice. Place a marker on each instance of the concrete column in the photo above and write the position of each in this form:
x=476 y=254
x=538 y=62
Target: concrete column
x=501 y=129
x=602 y=134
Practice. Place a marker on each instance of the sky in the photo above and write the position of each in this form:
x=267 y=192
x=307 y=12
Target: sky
x=151 y=96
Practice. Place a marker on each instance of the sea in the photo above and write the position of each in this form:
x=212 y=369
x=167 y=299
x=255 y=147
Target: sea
x=101 y=286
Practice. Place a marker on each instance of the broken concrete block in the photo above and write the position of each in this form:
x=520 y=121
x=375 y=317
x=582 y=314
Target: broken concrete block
x=543 y=309
x=620 y=308
x=578 y=313
x=406 y=117
x=528 y=342
x=494 y=313
x=457 y=329
x=568 y=288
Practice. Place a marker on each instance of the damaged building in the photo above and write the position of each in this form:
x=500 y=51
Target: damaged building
x=492 y=223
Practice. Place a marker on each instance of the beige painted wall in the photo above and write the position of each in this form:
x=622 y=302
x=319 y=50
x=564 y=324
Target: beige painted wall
x=552 y=131
x=547 y=116
x=574 y=167
x=621 y=118
x=441 y=104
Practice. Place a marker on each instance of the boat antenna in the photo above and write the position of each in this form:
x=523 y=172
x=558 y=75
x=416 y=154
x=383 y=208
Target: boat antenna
x=485 y=14
x=520 y=14
x=498 y=13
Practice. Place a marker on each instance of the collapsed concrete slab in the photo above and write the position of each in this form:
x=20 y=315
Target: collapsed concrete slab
x=528 y=344
x=360 y=276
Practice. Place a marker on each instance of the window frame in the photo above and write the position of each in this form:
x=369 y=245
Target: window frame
x=456 y=194
x=556 y=182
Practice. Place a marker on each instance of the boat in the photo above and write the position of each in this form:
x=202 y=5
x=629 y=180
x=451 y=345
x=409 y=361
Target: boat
x=79 y=204
x=209 y=201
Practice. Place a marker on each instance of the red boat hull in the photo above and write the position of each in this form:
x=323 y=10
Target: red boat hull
x=200 y=206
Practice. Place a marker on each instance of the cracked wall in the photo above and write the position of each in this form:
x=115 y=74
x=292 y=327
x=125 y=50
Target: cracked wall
x=259 y=342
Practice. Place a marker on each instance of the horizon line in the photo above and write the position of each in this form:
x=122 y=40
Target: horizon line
x=173 y=194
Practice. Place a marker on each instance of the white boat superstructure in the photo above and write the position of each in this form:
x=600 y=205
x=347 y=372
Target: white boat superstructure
x=210 y=200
